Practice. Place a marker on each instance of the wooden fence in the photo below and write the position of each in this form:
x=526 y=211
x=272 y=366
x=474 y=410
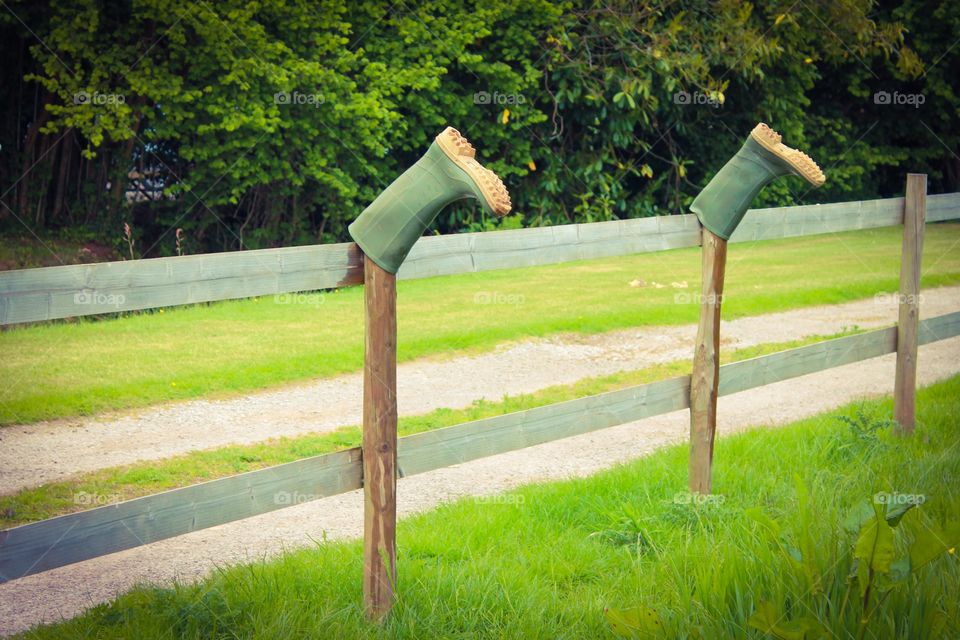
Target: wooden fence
x=56 y=292
x=49 y=293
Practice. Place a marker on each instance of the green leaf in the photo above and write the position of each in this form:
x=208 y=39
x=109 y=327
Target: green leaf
x=900 y=570
x=757 y=515
x=895 y=514
x=635 y=622
x=859 y=514
x=930 y=540
x=767 y=618
x=874 y=547
x=794 y=553
x=802 y=629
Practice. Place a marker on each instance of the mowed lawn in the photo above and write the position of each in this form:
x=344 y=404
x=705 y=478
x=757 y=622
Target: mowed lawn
x=67 y=369
x=774 y=547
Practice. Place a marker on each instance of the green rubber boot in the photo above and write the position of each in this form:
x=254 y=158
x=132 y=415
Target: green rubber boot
x=761 y=160
x=447 y=172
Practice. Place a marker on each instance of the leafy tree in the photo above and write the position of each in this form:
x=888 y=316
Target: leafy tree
x=274 y=123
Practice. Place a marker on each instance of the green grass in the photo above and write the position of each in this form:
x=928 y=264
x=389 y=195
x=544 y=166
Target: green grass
x=114 y=484
x=545 y=560
x=79 y=368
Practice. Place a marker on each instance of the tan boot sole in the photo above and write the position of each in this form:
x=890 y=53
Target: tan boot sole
x=801 y=162
x=462 y=153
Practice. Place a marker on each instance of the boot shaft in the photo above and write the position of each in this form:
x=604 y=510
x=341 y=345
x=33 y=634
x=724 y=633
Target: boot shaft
x=762 y=159
x=447 y=172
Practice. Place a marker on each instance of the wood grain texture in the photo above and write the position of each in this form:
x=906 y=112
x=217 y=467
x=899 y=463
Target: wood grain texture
x=943 y=207
x=940 y=328
x=789 y=222
x=476 y=252
x=911 y=256
x=783 y=365
x=48 y=293
x=705 y=379
x=56 y=542
x=490 y=436
x=32 y=295
x=379 y=441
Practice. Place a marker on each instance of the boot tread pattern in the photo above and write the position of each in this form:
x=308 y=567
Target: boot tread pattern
x=801 y=162
x=462 y=153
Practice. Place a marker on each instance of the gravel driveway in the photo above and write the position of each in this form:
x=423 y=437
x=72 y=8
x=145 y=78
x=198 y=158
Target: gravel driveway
x=47 y=451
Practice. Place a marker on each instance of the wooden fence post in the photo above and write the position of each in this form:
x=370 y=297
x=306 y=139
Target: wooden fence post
x=379 y=440
x=908 y=323
x=706 y=364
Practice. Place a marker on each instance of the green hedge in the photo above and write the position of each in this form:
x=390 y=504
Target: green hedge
x=276 y=122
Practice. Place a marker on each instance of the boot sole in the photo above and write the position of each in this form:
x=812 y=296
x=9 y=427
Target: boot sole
x=802 y=164
x=462 y=153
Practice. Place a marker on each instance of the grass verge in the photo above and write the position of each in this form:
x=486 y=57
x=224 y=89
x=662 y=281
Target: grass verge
x=547 y=562
x=64 y=369
x=106 y=486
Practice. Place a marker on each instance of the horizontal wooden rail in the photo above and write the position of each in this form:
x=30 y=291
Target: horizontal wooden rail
x=31 y=295
x=56 y=542
x=44 y=545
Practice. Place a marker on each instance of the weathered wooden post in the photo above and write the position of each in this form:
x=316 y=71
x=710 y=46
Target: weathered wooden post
x=385 y=232
x=908 y=323
x=379 y=439
x=720 y=207
x=705 y=379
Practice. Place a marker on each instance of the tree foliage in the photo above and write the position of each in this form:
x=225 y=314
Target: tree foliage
x=252 y=124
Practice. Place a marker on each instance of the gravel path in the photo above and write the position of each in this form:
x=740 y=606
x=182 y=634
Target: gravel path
x=67 y=591
x=33 y=454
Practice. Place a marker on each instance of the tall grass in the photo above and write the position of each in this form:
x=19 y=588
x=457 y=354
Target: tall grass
x=545 y=560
